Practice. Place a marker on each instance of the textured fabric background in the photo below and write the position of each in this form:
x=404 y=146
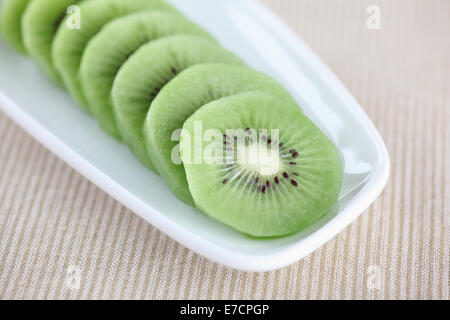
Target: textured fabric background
x=57 y=228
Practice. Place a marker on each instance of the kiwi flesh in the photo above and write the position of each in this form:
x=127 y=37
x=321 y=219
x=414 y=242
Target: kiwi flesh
x=180 y=81
x=40 y=22
x=184 y=95
x=297 y=176
x=11 y=17
x=110 y=49
x=147 y=71
x=69 y=44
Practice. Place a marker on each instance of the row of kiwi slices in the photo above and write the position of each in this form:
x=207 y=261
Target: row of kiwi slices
x=150 y=77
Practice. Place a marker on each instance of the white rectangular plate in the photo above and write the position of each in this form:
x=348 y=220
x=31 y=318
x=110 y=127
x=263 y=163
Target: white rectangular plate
x=265 y=43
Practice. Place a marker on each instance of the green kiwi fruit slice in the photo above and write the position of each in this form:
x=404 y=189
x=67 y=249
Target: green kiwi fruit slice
x=111 y=47
x=271 y=171
x=184 y=95
x=70 y=43
x=147 y=71
x=11 y=17
x=40 y=22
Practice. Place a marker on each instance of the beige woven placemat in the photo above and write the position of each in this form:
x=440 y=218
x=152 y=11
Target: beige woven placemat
x=61 y=237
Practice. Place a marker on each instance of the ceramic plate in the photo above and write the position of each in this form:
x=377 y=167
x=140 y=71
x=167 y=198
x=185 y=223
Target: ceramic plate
x=265 y=43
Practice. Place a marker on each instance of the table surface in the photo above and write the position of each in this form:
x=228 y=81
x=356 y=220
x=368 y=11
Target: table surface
x=61 y=237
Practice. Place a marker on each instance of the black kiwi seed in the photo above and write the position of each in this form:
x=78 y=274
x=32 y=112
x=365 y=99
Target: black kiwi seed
x=155 y=92
x=59 y=20
x=285 y=175
x=294 y=183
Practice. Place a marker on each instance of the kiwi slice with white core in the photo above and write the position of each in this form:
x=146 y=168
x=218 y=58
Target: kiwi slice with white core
x=11 y=17
x=111 y=48
x=147 y=71
x=270 y=172
x=185 y=94
x=40 y=22
x=70 y=43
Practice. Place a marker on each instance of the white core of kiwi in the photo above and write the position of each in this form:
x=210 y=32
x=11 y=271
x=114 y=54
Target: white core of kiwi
x=259 y=159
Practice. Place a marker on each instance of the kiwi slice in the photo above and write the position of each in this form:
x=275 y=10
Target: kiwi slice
x=69 y=44
x=184 y=95
x=112 y=46
x=40 y=22
x=276 y=174
x=147 y=71
x=11 y=17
